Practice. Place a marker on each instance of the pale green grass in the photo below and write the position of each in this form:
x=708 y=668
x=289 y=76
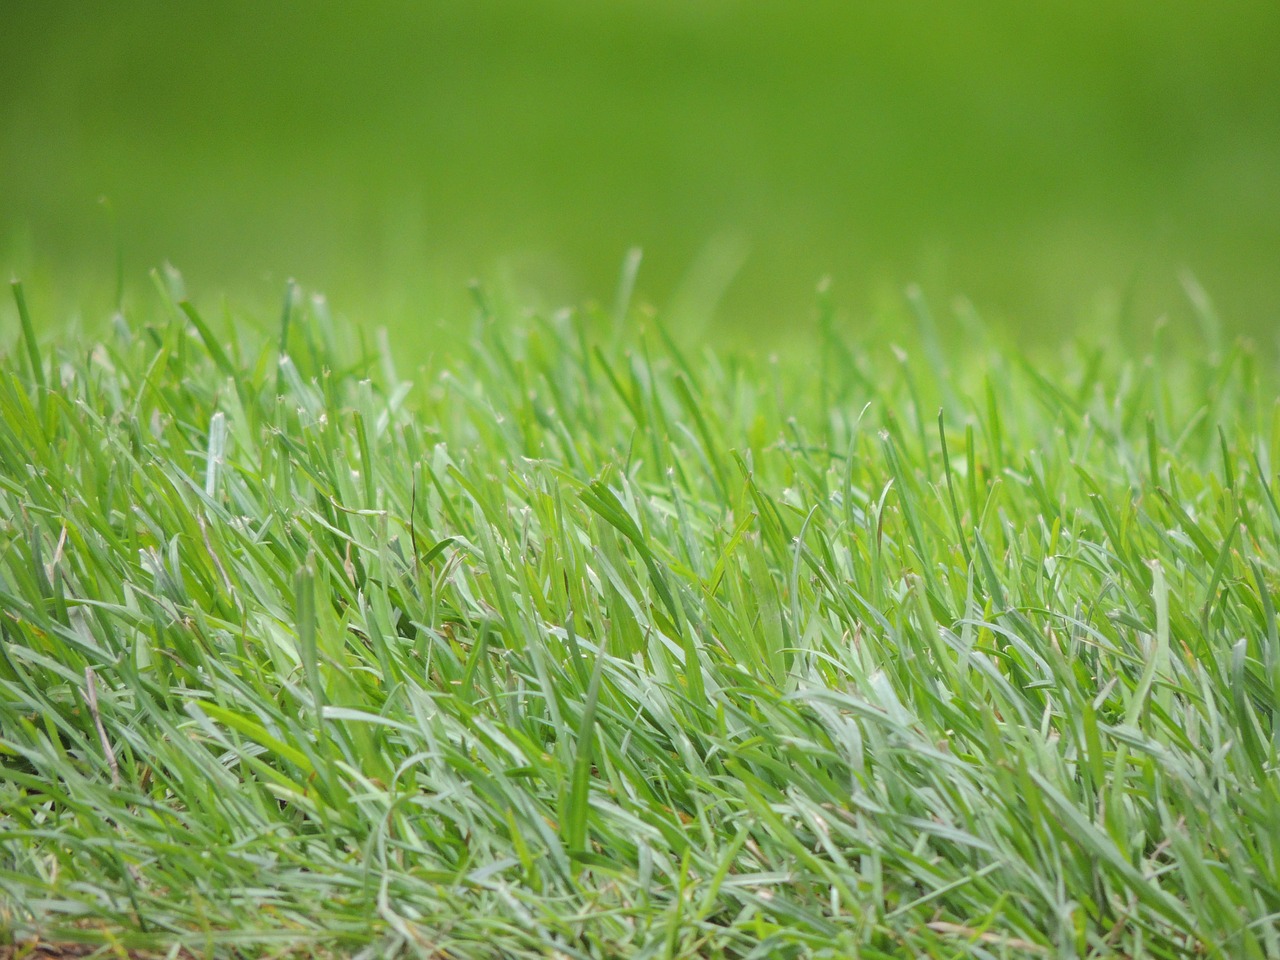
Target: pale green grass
x=589 y=649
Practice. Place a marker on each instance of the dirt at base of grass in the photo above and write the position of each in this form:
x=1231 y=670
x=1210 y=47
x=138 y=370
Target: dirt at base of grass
x=51 y=950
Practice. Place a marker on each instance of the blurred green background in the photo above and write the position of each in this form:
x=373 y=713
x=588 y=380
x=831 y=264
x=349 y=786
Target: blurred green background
x=1053 y=161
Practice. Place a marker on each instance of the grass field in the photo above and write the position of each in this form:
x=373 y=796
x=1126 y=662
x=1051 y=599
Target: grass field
x=710 y=619
x=583 y=641
x=1046 y=160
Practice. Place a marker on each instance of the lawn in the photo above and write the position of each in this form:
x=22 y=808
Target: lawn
x=585 y=639
x=1059 y=162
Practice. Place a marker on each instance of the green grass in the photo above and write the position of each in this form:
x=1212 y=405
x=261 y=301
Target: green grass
x=1054 y=160
x=579 y=645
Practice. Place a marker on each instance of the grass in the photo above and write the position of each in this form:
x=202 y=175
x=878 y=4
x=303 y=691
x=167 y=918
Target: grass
x=584 y=646
x=1056 y=161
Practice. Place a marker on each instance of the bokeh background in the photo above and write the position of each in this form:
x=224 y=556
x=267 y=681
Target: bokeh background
x=1059 y=163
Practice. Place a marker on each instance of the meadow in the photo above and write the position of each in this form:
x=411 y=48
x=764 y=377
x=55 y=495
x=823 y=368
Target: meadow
x=596 y=645
x=1061 y=165
x=707 y=480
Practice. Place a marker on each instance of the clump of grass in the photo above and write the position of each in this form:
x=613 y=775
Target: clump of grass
x=589 y=651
